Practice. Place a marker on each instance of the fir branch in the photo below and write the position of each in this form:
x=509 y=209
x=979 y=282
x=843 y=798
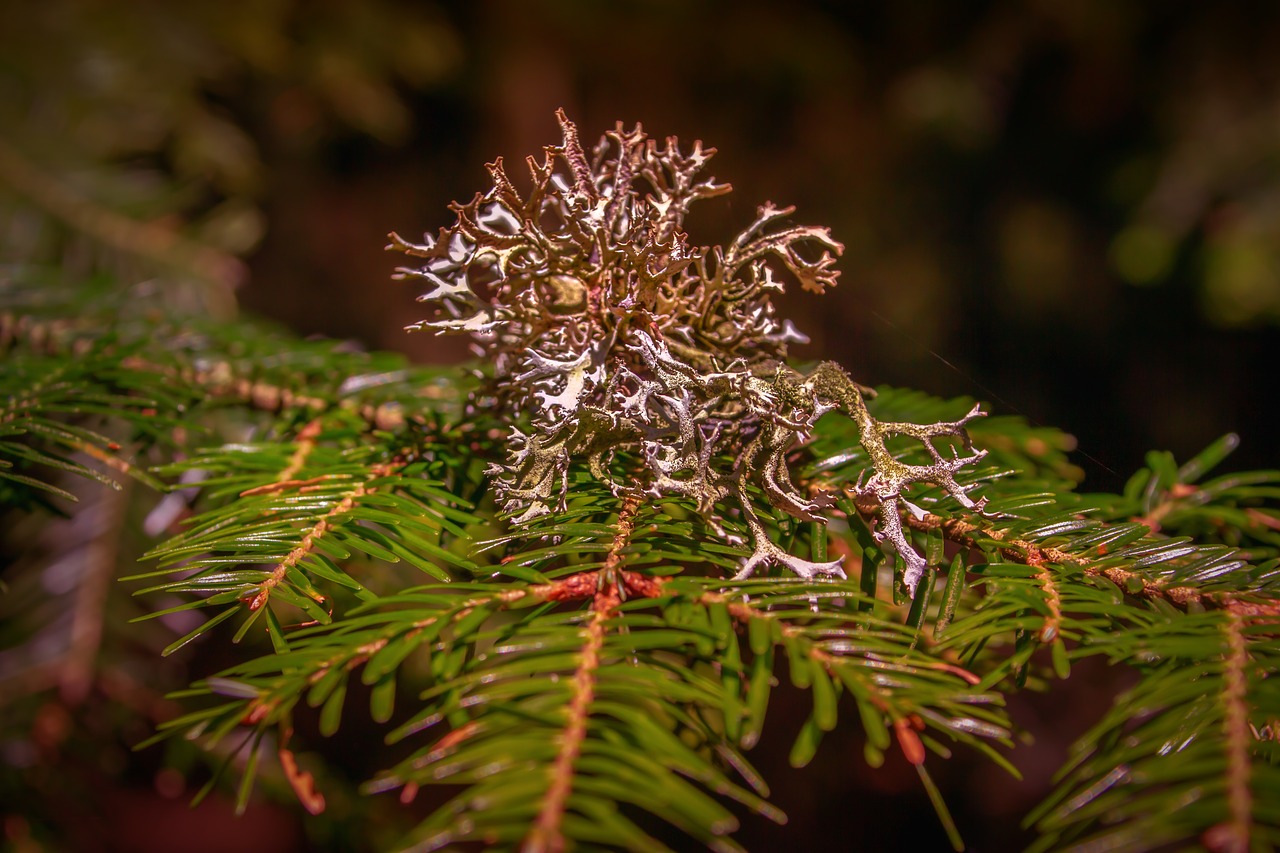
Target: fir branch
x=546 y=834
x=585 y=648
x=973 y=535
x=1233 y=836
x=875 y=660
x=307 y=546
x=153 y=242
x=1182 y=735
x=1053 y=601
x=135 y=351
x=306 y=441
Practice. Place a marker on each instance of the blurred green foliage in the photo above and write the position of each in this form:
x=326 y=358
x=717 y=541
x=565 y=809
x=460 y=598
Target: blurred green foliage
x=141 y=127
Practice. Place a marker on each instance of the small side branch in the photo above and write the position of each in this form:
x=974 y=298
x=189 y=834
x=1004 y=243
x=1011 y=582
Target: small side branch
x=1233 y=836
x=306 y=443
x=905 y=724
x=219 y=379
x=319 y=529
x=546 y=834
x=967 y=533
x=1052 y=600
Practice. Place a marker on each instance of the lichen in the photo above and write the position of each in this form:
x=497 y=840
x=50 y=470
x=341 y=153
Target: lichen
x=608 y=332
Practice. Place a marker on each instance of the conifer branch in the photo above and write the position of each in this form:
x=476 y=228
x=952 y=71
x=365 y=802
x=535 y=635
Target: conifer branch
x=153 y=242
x=971 y=534
x=1234 y=835
x=584 y=647
x=200 y=373
x=546 y=836
x=306 y=441
x=1052 y=598
x=317 y=531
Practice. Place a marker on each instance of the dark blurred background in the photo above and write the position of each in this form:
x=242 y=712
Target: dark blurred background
x=1067 y=208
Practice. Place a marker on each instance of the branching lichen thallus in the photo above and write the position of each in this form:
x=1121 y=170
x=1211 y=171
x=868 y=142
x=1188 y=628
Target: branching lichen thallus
x=608 y=332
